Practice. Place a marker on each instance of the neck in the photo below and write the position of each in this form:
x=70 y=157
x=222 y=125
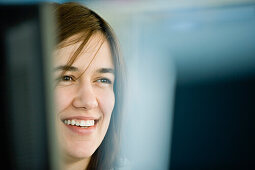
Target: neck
x=75 y=164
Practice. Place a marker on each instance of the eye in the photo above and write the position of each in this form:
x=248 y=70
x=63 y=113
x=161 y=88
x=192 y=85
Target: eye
x=67 y=78
x=104 y=81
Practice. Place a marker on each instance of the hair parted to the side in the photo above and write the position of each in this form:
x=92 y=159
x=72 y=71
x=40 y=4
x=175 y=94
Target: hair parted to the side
x=75 y=19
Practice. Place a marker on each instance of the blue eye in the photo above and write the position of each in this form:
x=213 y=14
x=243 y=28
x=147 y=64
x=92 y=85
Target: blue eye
x=104 y=80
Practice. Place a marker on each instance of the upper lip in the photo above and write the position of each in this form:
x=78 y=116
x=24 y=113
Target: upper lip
x=80 y=118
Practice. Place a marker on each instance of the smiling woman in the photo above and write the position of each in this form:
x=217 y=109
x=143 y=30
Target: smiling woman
x=88 y=92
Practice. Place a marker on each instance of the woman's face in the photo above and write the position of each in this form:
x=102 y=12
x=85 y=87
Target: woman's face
x=84 y=97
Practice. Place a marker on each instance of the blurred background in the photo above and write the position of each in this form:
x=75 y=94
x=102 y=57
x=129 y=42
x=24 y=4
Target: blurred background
x=189 y=100
x=191 y=67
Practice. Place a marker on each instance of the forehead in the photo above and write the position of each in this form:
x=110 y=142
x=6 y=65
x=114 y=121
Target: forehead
x=96 y=53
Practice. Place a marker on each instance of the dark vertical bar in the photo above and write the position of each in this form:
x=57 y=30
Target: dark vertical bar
x=24 y=91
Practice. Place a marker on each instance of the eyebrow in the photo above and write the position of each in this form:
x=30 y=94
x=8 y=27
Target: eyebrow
x=72 y=68
x=66 y=68
x=105 y=70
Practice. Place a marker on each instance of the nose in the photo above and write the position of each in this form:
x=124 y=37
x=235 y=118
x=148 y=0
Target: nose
x=85 y=97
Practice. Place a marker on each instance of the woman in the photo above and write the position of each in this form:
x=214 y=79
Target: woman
x=88 y=73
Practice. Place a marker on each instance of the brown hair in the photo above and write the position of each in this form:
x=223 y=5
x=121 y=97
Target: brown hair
x=75 y=19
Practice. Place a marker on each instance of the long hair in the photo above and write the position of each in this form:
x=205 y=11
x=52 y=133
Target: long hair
x=75 y=19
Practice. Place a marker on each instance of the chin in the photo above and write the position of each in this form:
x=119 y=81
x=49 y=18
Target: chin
x=83 y=149
x=80 y=153
x=78 y=149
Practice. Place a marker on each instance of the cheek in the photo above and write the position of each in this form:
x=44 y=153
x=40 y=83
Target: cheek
x=63 y=98
x=106 y=101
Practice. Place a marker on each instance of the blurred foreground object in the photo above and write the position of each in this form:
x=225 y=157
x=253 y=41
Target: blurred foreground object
x=26 y=101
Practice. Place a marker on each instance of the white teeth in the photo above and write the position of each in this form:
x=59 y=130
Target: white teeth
x=73 y=122
x=88 y=123
x=82 y=123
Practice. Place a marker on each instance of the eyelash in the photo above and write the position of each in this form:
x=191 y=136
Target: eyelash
x=104 y=80
x=64 y=78
x=72 y=78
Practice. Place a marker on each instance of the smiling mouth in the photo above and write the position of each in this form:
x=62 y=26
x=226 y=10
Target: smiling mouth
x=80 y=123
